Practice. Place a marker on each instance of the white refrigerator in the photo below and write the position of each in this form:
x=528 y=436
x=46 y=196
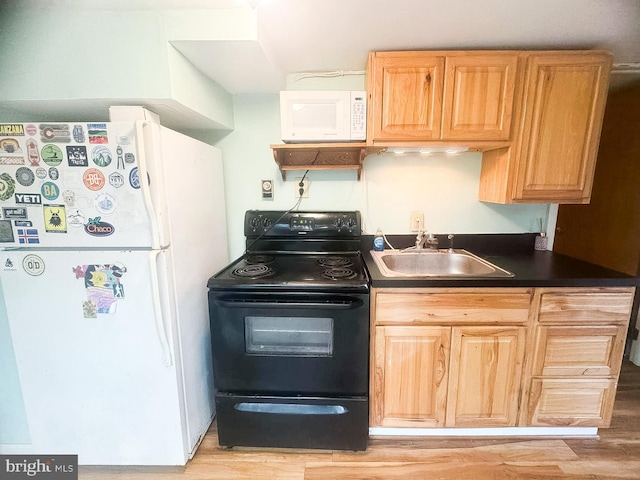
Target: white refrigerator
x=108 y=234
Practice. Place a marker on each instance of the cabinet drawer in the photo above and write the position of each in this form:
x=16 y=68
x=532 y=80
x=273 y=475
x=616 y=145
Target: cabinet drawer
x=571 y=402
x=586 y=305
x=579 y=350
x=453 y=307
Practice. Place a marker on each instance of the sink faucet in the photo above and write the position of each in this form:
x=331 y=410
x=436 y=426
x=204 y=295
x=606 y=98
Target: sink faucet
x=450 y=237
x=421 y=239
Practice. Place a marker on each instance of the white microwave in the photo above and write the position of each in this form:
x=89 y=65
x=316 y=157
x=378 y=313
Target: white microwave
x=323 y=116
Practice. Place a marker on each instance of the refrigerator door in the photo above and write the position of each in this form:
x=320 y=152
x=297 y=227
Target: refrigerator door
x=74 y=185
x=98 y=355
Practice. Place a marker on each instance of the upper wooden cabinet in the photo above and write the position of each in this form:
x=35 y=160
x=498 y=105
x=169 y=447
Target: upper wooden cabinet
x=440 y=96
x=553 y=157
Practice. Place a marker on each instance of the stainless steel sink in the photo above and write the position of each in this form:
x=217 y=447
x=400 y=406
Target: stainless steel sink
x=430 y=263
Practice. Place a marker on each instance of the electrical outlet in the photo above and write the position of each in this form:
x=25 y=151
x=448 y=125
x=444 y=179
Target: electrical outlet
x=304 y=187
x=417 y=221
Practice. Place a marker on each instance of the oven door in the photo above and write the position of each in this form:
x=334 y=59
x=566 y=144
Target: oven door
x=298 y=343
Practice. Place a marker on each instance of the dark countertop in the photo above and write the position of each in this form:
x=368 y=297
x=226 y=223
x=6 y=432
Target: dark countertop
x=512 y=252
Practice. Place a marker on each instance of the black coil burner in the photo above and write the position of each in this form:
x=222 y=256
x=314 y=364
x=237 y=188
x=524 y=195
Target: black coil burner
x=257 y=270
x=338 y=273
x=255 y=258
x=335 y=261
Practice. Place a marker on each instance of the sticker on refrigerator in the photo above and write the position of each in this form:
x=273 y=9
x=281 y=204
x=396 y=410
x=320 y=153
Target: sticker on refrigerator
x=7 y=186
x=10 y=145
x=25 y=176
x=104 y=287
x=69 y=197
x=41 y=173
x=101 y=156
x=78 y=133
x=27 y=198
x=75 y=218
x=97 y=133
x=28 y=236
x=77 y=156
x=7 y=129
x=9 y=265
x=33 y=265
x=6 y=231
x=55 y=218
x=50 y=190
x=93 y=179
x=51 y=155
x=116 y=180
x=134 y=178
x=13 y=213
x=33 y=153
x=54 y=174
x=59 y=132
x=105 y=203
x=97 y=228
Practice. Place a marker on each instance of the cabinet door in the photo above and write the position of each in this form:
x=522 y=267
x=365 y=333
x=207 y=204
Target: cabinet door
x=571 y=402
x=484 y=378
x=405 y=96
x=409 y=383
x=579 y=351
x=564 y=103
x=478 y=96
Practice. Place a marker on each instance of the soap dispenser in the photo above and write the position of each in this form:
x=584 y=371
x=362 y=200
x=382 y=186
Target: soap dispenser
x=378 y=241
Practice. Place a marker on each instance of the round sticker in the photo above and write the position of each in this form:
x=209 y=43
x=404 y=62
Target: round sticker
x=101 y=156
x=134 y=178
x=33 y=265
x=25 y=176
x=53 y=173
x=51 y=155
x=105 y=203
x=50 y=190
x=41 y=173
x=93 y=179
x=31 y=129
x=7 y=186
x=69 y=197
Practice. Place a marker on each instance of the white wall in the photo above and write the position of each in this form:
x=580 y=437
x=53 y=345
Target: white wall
x=444 y=188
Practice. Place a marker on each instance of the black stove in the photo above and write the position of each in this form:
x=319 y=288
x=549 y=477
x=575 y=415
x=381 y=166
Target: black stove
x=298 y=250
x=290 y=334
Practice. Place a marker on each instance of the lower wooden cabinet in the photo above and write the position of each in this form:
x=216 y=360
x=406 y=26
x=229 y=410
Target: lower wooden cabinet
x=485 y=374
x=497 y=357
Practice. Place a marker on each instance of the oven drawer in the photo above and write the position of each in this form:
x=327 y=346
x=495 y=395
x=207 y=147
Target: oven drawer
x=302 y=422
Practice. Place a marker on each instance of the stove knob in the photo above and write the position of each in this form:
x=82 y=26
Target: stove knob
x=266 y=223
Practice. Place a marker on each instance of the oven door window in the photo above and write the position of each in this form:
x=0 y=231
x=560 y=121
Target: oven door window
x=289 y=336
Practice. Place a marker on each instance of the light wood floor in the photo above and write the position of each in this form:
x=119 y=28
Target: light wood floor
x=615 y=455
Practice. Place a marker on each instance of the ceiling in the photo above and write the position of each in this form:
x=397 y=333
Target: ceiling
x=296 y=36
x=336 y=35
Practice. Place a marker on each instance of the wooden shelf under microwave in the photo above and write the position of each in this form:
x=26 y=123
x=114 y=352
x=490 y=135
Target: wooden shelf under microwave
x=319 y=156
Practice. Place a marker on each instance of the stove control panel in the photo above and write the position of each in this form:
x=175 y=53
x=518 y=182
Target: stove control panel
x=266 y=223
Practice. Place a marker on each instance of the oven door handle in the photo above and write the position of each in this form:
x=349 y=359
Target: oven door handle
x=291 y=408
x=242 y=302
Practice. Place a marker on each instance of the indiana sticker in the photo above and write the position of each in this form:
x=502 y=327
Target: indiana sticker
x=55 y=218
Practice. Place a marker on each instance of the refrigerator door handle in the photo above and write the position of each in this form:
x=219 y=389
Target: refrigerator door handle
x=157 y=306
x=144 y=185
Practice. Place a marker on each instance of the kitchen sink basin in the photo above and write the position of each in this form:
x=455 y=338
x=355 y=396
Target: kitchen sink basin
x=431 y=263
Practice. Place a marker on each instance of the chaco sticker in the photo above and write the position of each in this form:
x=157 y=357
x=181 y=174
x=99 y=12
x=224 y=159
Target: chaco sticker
x=93 y=179
x=33 y=265
x=97 y=228
x=51 y=155
x=55 y=218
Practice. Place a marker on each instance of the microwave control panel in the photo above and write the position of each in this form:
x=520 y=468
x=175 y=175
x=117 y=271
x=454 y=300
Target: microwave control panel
x=358 y=115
